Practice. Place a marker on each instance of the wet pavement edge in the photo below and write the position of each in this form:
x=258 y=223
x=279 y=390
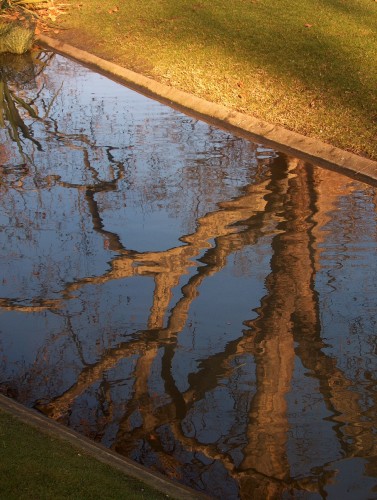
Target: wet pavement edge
x=98 y=451
x=305 y=148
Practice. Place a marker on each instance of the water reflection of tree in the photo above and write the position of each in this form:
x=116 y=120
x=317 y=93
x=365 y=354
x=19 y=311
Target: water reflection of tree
x=288 y=315
x=162 y=431
x=15 y=110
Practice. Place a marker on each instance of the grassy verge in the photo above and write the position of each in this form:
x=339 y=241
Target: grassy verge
x=308 y=66
x=37 y=466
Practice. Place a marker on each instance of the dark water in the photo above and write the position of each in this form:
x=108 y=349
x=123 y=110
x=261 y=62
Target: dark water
x=199 y=303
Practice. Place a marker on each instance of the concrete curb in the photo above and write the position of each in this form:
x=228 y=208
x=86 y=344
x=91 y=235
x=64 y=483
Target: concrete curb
x=99 y=452
x=305 y=148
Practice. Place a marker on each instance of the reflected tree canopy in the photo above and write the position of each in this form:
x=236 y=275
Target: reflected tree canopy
x=199 y=303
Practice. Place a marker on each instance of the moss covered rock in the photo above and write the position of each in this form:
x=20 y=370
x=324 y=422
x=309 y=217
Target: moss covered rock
x=16 y=33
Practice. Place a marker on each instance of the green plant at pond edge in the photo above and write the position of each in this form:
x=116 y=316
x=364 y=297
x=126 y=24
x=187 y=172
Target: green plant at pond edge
x=17 y=24
x=16 y=36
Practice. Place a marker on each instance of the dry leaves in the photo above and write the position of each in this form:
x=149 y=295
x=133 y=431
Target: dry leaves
x=48 y=16
x=114 y=10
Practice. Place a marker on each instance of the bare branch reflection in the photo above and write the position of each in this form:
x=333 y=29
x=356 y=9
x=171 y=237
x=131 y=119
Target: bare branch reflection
x=191 y=346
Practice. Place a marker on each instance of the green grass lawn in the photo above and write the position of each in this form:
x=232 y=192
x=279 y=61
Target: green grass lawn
x=36 y=466
x=308 y=66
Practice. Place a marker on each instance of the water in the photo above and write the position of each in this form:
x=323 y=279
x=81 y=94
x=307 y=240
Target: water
x=201 y=304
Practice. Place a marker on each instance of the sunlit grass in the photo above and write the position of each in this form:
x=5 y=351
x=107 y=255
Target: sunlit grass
x=309 y=66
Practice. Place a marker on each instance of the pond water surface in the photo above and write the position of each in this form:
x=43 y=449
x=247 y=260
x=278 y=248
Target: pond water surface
x=199 y=303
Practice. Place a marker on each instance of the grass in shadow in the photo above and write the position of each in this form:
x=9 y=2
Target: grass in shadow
x=36 y=466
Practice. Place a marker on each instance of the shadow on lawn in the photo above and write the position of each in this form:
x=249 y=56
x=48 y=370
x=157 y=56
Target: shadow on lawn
x=337 y=77
x=284 y=47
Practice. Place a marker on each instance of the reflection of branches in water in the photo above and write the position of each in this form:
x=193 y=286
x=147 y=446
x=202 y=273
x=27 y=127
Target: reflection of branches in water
x=14 y=176
x=290 y=311
x=10 y=117
x=181 y=403
x=168 y=267
x=12 y=105
x=213 y=260
x=270 y=474
x=76 y=340
x=287 y=313
x=293 y=265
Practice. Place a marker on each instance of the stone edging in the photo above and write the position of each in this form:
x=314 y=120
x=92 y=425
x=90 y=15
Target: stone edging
x=305 y=148
x=99 y=452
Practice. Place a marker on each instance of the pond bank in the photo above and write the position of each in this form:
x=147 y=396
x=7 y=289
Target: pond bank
x=305 y=148
x=129 y=477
